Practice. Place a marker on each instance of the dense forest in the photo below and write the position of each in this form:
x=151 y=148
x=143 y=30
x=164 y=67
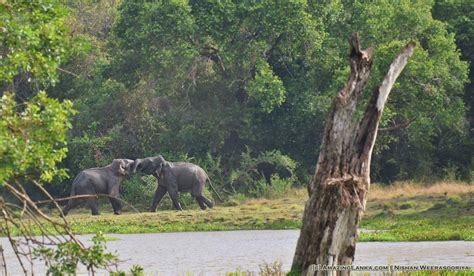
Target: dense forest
x=238 y=87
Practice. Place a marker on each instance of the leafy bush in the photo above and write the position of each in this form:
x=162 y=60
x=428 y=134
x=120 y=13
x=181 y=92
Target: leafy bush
x=216 y=172
x=259 y=189
x=32 y=138
x=139 y=190
x=267 y=174
x=64 y=258
x=280 y=185
x=187 y=201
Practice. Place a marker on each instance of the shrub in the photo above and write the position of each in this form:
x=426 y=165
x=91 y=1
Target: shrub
x=280 y=185
x=216 y=172
x=266 y=174
x=138 y=190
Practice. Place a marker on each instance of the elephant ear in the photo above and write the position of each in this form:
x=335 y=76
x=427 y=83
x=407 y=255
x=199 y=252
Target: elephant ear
x=160 y=158
x=159 y=169
x=129 y=165
x=120 y=166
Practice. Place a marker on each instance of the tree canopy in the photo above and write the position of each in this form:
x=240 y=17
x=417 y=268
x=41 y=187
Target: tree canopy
x=34 y=41
x=231 y=84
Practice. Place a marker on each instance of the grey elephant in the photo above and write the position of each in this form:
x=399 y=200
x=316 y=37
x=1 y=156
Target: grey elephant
x=174 y=177
x=96 y=181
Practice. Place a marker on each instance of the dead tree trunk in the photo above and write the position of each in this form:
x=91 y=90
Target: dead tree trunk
x=337 y=193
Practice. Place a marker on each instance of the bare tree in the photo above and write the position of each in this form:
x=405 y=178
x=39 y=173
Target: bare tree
x=33 y=235
x=338 y=191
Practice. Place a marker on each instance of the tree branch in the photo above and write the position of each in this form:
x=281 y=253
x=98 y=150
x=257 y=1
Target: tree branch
x=395 y=69
x=368 y=126
x=68 y=72
x=55 y=200
x=361 y=63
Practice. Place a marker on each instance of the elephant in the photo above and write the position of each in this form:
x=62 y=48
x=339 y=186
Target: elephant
x=96 y=181
x=174 y=177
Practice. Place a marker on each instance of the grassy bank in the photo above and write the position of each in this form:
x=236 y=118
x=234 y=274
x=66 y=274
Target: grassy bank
x=405 y=212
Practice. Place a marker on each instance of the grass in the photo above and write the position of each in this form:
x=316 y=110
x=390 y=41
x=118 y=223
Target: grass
x=283 y=213
x=409 y=212
x=412 y=190
x=276 y=269
x=404 y=212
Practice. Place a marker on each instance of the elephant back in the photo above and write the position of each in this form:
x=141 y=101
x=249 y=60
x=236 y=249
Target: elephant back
x=186 y=171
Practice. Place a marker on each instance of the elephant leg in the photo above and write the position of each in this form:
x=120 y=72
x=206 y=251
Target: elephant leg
x=201 y=203
x=92 y=204
x=116 y=206
x=207 y=201
x=160 y=192
x=114 y=200
x=70 y=205
x=66 y=209
x=175 y=198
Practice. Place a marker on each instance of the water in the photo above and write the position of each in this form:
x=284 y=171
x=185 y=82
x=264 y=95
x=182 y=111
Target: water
x=211 y=253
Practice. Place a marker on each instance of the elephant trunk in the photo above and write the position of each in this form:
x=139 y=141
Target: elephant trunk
x=134 y=165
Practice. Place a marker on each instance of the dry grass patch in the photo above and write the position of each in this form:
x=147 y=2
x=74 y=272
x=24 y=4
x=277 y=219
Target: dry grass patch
x=407 y=211
x=411 y=189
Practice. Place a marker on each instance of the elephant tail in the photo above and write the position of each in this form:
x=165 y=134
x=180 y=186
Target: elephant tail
x=214 y=189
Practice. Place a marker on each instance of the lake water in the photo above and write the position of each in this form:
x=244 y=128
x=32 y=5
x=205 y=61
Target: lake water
x=214 y=253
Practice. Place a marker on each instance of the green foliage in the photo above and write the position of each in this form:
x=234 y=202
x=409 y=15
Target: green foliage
x=154 y=38
x=65 y=258
x=137 y=270
x=248 y=179
x=33 y=140
x=139 y=191
x=215 y=170
x=459 y=18
x=205 y=80
x=429 y=94
x=33 y=39
x=279 y=186
x=267 y=89
x=451 y=219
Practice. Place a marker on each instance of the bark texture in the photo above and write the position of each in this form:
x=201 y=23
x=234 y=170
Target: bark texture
x=337 y=193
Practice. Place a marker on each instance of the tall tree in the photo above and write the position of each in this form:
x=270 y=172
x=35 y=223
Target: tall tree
x=459 y=16
x=338 y=191
x=426 y=110
x=34 y=41
x=213 y=78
